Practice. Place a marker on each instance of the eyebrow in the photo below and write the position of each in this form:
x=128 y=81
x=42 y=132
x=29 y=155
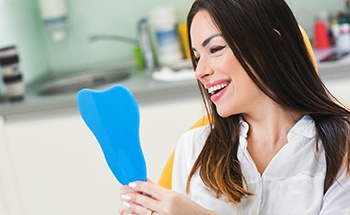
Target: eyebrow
x=206 y=41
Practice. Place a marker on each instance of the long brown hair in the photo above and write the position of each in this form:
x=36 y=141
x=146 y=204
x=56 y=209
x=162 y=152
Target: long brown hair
x=284 y=71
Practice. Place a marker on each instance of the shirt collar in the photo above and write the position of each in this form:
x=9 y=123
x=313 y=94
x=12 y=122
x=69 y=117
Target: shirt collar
x=305 y=127
x=244 y=128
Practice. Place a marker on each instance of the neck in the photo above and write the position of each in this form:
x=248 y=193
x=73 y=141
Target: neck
x=268 y=129
x=269 y=124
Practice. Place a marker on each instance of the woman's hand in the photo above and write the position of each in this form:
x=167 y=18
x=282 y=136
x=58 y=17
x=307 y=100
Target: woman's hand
x=147 y=198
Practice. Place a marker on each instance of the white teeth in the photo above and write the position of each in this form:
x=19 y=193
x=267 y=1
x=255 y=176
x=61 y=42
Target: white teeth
x=216 y=87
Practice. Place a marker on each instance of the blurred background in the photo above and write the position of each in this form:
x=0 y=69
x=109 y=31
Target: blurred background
x=50 y=162
x=21 y=24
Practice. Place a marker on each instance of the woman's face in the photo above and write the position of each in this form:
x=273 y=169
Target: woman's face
x=231 y=89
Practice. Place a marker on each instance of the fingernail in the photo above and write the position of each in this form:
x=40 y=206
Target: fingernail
x=126 y=197
x=132 y=184
x=126 y=204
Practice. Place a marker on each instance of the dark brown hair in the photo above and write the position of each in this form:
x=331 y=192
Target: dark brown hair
x=284 y=71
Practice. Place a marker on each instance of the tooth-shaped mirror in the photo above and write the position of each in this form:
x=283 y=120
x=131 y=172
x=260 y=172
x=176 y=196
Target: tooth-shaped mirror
x=113 y=117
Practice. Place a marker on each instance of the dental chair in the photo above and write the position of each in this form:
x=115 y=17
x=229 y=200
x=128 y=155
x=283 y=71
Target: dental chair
x=166 y=175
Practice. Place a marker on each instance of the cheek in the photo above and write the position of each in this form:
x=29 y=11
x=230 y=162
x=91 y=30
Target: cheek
x=245 y=87
x=231 y=66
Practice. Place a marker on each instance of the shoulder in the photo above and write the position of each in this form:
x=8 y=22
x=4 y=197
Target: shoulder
x=187 y=150
x=336 y=199
x=192 y=142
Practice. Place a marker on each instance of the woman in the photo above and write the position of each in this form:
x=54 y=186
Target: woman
x=278 y=142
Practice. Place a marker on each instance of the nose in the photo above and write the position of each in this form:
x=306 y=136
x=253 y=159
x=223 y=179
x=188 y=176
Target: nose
x=203 y=69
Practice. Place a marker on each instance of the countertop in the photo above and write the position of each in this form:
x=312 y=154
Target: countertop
x=145 y=90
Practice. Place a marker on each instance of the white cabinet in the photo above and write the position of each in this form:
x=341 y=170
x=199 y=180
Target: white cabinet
x=9 y=193
x=58 y=167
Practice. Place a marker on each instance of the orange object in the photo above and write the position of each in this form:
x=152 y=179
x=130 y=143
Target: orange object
x=309 y=47
x=184 y=39
x=165 y=179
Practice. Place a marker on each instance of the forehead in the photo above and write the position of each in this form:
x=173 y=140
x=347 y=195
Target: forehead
x=202 y=27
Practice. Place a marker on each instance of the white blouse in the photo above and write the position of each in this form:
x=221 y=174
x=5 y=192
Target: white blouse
x=292 y=183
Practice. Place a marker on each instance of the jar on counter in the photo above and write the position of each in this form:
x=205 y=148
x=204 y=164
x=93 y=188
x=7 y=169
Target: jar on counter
x=164 y=24
x=11 y=73
x=55 y=15
x=342 y=42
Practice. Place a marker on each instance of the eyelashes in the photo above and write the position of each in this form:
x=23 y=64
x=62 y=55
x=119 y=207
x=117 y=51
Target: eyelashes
x=214 y=51
x=196 y=59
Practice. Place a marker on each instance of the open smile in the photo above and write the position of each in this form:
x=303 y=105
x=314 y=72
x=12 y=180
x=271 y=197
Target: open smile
x=216 y=88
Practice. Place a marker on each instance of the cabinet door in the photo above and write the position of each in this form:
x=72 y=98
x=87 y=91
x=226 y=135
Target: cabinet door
x=9 y=193
x=60 y=168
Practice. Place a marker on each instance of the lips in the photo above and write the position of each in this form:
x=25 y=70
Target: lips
x=217 y=90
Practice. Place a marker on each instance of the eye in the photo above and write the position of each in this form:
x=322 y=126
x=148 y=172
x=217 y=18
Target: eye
x=196 y=56
x=215 y=49
x=196 y=59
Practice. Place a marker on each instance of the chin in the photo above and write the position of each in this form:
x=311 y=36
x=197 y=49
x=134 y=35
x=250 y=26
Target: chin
x=226 y=111
x=224 y=114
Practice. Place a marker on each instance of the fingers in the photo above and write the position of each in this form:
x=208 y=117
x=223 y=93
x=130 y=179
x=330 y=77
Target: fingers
x=149 y=188
x=124 y=208
x=126 y=189
x=149 y=180
x=146 y=198
x=133 y=208
x=142 y=197
x=139 y=198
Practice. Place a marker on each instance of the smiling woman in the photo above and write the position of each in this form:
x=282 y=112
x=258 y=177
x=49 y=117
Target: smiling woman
x=274 y=126
x=165 y=179
x=218 y=69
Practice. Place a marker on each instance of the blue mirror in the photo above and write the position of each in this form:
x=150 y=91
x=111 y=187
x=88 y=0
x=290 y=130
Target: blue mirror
x=113 y=117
